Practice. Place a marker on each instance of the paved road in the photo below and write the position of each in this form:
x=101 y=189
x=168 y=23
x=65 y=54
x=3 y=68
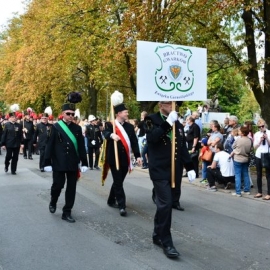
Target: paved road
x=217 y=230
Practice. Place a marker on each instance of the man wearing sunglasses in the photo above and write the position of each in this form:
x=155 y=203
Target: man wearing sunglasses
x=64 y=152
x=261 y=143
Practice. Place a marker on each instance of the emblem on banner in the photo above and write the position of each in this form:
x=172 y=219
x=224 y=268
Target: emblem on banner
x=174 y=72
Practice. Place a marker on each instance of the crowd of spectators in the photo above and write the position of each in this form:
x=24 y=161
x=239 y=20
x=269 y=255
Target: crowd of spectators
x=234 y=149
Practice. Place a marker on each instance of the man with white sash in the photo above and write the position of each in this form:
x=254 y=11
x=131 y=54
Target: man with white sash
x=126 y=142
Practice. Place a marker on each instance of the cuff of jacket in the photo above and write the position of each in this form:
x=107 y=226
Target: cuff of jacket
x=47 y=162
x=166 y=126
x=189 y=166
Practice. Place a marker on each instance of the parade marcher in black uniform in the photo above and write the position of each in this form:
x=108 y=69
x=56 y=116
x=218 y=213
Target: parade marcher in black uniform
x=64 y=151
x=94 y=137
x=28 y=133
x=11 y=140
x=1 y=130
x=158 y=134
x=126 y=141
x=42 y=133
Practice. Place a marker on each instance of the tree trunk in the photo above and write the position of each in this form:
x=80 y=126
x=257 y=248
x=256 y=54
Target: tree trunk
x=92 y=93
x=261 y=95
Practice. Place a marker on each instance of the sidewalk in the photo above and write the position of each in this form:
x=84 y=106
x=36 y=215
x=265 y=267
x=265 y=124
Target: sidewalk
x=220 y=188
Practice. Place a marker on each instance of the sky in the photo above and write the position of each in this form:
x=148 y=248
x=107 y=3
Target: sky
x=7 y=8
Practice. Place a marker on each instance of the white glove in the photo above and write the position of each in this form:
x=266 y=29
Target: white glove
x=84 y=169
x=172 y=117
x=191 y=176
x=115 y=137
x=48 y=168
x=93 y=142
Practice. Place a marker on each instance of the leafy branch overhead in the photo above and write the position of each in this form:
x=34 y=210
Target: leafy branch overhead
x=58 y=47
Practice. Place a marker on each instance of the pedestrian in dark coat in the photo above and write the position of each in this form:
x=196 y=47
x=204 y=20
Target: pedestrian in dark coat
x=41 y=136
x=1 y=130
x=158 y=134
x=64 y=152
x=126 y=141
x=11 y=140
x=95 y=140
x=28 y=134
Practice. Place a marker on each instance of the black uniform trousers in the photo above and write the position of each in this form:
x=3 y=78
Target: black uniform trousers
x=13 y=155
x=59 y=179
x=178 y=181
x=163 y=216
x=42 y=157
x=214 y=175
x=91 y=151
x=27 y=147
x=117 y=190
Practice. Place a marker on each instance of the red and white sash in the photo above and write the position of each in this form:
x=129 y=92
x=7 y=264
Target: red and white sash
x=120 y=131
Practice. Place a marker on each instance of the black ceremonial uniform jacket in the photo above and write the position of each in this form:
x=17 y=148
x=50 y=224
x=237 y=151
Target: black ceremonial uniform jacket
x=42 y=133
x=122 y=156
x=60 y=151
x=92 y=132
x=12 y=135
x=30 y=130
x=160 y=147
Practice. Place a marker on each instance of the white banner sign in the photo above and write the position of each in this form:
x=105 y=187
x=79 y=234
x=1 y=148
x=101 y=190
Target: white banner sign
x=168 y=72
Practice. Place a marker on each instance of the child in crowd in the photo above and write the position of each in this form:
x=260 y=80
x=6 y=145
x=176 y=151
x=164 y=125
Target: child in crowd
x=230 y=140
x=205 y=163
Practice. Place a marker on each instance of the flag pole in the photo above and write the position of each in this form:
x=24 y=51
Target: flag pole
x=173 y=152
x=114 y=142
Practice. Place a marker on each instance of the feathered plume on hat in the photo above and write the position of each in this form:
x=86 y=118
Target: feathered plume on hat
x=29 y=110
x=117 y=98
x=77 y=113
x=74 y=97
x=48 y=110
x=117 y=101
x=14 y=107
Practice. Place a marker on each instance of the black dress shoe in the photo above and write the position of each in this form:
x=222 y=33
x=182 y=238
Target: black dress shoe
x=97 y=168
x=42 y=170
x=52 y=208
x=122 y=212
x=178 y=207
x=68 y=218
x=14 y=173
x=30 y=158
x=114 y=205
x=6 y=169
x=170 y=252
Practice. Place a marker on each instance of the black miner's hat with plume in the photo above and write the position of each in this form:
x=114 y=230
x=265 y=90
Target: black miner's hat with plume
x=72 y=98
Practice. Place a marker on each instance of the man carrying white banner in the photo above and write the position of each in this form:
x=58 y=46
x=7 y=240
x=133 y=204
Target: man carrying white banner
x=159 y=138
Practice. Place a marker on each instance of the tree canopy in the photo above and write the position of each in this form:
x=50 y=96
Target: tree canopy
x=90 y=46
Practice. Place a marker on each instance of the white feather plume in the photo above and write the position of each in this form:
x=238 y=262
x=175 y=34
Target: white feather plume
x=48 y=110
x=14 y=107
x=29 y=110
x=117 y=98
x=77 y=113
